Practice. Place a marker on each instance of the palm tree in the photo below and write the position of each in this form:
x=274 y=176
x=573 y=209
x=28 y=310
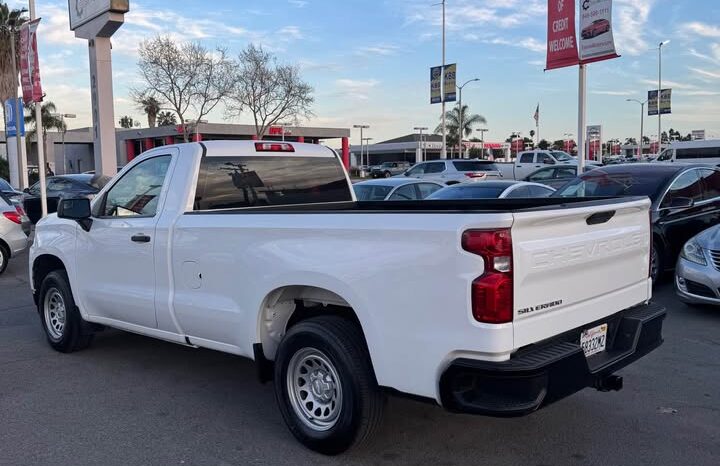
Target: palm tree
x=452 y=124
x=166 y=119
x=49 y=121
x=127 y=122
x=151 y=106
x=10 y=21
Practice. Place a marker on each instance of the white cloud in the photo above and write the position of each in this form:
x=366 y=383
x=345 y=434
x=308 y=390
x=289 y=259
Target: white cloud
x=706 y=73
x=356 y=88
x=378 y=49
x=467 y=14
x=652 y=83
x=700 y=29
x=298 y=3
x=529 y=43
x=631 y=17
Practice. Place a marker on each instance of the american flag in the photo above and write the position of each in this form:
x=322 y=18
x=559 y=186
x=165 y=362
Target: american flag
x=537 y=114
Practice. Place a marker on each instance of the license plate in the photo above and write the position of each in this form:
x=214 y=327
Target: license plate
x=593 y=340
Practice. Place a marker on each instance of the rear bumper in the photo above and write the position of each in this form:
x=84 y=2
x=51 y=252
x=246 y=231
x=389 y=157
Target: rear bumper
x=551 y=370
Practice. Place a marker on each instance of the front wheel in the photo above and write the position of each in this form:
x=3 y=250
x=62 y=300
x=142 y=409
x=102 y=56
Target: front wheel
x=325 y=385
x=64 y=328
x=4 y=258
x=388 y=174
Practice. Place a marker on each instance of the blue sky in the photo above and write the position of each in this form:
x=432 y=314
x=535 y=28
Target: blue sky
x=369 y=60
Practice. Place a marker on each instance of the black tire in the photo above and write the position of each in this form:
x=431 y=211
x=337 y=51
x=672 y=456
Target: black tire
x=75 y=333
x=387 y=174
x=656 y=264
x=361 y=403
x=4 y=258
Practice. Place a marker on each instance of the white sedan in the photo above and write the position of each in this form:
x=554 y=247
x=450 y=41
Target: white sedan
x=495 y=189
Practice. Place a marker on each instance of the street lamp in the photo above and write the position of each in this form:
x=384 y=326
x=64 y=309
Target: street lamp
x=361 y=127
x=660 y=46
x=62 y=117
x=460 y=111
x=422 y=146
x=367 y=149
x=642 y=119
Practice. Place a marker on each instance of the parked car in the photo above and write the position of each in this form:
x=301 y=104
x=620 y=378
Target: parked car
x=61 y=186
x=705 y=151
x=8 y=190
x=258 y=249
x=493 y=189
x=14 y=230
x=388 y=169
x=454 y=171
x=697 y=275
x=596 y=28
x=530 y=161
x=395 y=189
x=555 y=176
x=685 y=200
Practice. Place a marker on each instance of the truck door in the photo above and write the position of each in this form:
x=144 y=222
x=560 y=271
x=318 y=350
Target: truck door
x=116 y=267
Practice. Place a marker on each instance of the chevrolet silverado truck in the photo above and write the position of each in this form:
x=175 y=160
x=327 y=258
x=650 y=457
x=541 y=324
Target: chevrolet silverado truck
x=260 y=249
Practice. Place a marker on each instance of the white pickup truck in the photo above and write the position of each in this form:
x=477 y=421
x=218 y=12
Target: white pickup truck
x=531 y=161
x=259 y=249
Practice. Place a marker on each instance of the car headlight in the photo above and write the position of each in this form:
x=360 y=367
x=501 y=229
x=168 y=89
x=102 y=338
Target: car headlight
x=693 y=253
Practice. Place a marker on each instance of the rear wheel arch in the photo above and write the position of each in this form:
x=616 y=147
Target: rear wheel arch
x=287 y=306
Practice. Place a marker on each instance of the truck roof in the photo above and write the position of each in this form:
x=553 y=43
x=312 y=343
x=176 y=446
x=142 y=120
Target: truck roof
x=249 y=148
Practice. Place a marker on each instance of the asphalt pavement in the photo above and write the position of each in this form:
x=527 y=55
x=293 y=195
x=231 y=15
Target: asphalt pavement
x=131 y=400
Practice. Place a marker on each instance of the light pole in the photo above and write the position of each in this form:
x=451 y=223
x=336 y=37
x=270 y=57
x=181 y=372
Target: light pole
x=482 y=132
x=660 y=46
x=367 y=149
x=460 y=111
x=642 y=120
x=443 y=151
x=62 y=117
x=361 y=127
x=422 y=146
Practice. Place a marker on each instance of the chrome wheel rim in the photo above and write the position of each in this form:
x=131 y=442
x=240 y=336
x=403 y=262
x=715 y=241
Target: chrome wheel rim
x=314 y=389
x=654 y=265
x=55 y=313
x=2 y=258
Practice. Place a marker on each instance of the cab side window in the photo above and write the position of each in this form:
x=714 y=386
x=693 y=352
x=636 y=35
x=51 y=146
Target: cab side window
x=137 y=193
x=711 y=183
x=527 y=157
x=418 y=169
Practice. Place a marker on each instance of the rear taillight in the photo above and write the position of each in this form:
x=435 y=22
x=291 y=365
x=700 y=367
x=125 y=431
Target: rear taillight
x=14 y=217
x=20 y=210
x=273 y=147
x=492 y=292
x=475 y=174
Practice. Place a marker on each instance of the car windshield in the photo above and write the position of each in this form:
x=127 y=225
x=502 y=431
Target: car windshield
x=371 y=192
x=5 y=186
x=599 y=182
x=467 y=192
x=474 y=166
x=561 y=156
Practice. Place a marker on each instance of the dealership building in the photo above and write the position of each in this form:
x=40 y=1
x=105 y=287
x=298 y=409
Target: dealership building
x=74 y=149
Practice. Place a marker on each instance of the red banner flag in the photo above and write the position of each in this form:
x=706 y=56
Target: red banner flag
x=561 y=43
x=29 y=64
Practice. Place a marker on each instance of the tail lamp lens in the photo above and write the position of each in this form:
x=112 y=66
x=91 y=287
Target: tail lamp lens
x=273 y=147
x=492 y=292
x=14 y=217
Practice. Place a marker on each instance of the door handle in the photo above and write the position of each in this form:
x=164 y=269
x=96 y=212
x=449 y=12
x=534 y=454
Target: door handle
x=140 y=238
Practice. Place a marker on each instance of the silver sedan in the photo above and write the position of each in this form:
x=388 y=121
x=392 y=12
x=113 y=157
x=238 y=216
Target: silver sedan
x=395 y=189
x=14 y=230
x=697 y=275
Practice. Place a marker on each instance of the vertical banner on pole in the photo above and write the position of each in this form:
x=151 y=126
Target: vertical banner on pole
x=29 y=63
x=12 y=119
x=596 y=36
x=435 y=84
x=665 y=104
x=450 y=83
x=561 y=44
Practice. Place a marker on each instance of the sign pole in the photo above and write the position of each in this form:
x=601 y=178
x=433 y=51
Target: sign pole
x=40 y=137
x=443 y=151
x=582 y=81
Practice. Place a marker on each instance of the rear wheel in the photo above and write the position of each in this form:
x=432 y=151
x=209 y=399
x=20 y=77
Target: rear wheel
x=65 y=329
x=655 y=265
x=387 y=174
x=4 y=258
x=325 y=386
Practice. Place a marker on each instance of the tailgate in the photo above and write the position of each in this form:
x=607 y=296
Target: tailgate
x=576 y=265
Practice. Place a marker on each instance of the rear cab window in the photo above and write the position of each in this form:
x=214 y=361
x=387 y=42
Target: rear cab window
x=474 y=166
x=227 y=182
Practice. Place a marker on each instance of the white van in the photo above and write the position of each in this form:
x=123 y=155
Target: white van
x=706 y=151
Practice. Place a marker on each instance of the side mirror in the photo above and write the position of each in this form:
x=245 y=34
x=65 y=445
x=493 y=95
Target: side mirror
x=77 y=209
x=682 y=203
